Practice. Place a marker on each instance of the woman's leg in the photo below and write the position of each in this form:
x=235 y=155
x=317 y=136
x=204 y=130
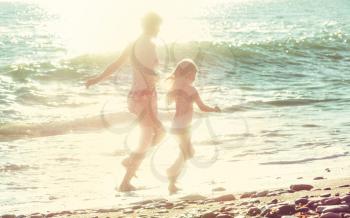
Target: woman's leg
x=159 y=130
x=133 y=162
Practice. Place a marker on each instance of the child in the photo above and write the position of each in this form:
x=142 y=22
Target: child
x=184 y=94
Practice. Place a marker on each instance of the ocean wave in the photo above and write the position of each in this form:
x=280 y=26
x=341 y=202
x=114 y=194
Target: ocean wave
x=291 y=102
x=13 y=168
x=18 y=131
x=306 y=160
x=327 y=46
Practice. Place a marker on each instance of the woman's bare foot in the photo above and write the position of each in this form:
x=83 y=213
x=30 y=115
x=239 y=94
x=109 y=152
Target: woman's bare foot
x=173 y=189
x=126 y=187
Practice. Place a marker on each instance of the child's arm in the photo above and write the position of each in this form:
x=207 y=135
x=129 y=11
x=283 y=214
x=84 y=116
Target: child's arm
x=202 y=106
x=110 y=69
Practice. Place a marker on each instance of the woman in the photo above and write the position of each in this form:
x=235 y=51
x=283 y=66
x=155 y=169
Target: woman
x=142 y=98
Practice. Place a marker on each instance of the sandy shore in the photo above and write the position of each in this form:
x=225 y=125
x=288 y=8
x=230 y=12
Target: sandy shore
x=324 y=197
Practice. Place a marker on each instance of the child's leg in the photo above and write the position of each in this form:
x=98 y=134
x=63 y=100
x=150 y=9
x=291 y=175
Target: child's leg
x=174 y=171
x=186 y=152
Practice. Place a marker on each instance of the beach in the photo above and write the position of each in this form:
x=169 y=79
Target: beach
x=277 y=69
x=292 y=201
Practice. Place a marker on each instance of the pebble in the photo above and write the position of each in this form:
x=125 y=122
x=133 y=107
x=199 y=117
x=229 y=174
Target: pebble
x=331 y=201
x=288 y=209
x=127 y=211
x=248 y=194
x=302 y=210
x=223 y=215
x=346 y=198
x=333 y=208
x=254 y=211
x=143 y=202
x=209 y=215
x=319 y=178
x=301 y=201
x=163 y=211
x=135 y=207
x=274 y=201
x=37 y=216
x=312 y=204
x=8 y=216
x=262 y=194
x=301 y=187
x=330 y=215
x=219 y=189
x=325 y=195
x=228 y=197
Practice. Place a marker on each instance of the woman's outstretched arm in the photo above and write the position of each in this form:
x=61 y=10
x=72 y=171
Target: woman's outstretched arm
x=110 y=69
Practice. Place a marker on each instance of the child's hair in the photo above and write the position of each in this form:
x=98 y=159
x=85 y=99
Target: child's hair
x=182 y=70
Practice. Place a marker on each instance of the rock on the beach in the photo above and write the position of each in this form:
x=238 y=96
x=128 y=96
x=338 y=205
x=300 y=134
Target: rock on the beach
x=312 y=204
x=248 y=194
x=301 y=201
x=163 y=211
x=193 y=197
x=37 y=216
x=331 y=201
x=128 y=210
x=219 y=189
x=8 y=216
x=288 y=209
x=209 y=215
x=274 y=201
x=301 y=187
x=326 y=195
x=228 y=197
x=330 y=215
x=223 y=215
x=302 y=210
x=262 y=193
x=333 y=208
x=254 y=211
x=346 y=198
x=319 y=178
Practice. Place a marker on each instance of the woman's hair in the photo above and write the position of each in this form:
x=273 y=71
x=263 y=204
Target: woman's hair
x=151 y=20
x=182 y=71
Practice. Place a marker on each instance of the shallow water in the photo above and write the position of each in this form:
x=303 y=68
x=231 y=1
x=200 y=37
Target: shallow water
x=277 y=68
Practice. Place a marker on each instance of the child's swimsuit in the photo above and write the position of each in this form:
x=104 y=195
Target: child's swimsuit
x=183 y=116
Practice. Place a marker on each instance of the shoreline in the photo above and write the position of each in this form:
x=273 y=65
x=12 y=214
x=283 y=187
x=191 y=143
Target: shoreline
x=274 y=203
